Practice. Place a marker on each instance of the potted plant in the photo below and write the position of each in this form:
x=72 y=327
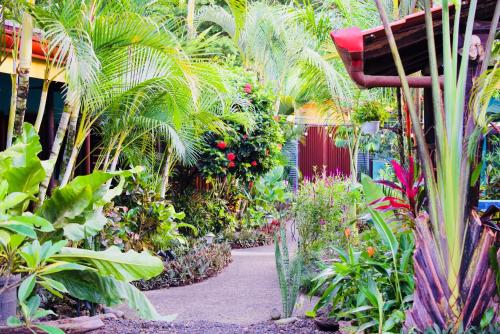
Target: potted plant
x=369 y=116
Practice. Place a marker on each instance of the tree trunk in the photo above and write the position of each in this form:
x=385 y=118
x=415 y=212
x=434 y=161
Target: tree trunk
x=43 y=103
x=166 y=173
x=12 y=111
x=69 y=105
x=23 y=72
x=190 y=19
x=70 y=150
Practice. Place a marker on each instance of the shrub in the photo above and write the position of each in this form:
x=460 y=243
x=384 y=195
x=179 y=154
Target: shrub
x=247 y=238
x=324 y=209
x=199 y=262
x=245 y=152
x=141 y=221
x=207 y=212
x=367 y=285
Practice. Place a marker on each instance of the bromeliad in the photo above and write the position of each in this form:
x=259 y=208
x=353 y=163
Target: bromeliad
x=409 y=189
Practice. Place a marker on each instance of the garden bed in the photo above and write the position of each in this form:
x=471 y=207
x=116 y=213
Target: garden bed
x=249 y=239
x=119 y=326
x=198 y=264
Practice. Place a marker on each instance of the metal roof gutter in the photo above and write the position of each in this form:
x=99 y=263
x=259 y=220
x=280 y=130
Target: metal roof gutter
x=350 y=46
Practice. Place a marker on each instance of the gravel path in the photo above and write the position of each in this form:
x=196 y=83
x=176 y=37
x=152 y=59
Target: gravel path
x=243 y=294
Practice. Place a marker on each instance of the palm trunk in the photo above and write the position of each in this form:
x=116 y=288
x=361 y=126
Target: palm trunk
x=43 y=103
x=12 y=111
x=116 y=156
x=69 y=105
x=70 y=150
x=190 y=19
x=71 y=164
x=23 y=72
x=166 y=173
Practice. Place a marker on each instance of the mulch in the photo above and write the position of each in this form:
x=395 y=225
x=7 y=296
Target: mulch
x=125 y=326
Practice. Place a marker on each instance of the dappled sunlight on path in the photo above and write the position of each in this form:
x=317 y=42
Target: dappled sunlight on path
x=244 y=293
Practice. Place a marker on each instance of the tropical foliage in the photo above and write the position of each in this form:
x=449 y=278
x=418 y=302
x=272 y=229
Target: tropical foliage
x=35 y=244
x=189 y=108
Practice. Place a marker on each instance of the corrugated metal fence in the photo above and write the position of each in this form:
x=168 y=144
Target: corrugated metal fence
x=318 y=151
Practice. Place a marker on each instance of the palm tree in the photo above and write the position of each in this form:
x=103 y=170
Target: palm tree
x=64 y=26
x=23 y=70
x=275 y=44
x=146 y=83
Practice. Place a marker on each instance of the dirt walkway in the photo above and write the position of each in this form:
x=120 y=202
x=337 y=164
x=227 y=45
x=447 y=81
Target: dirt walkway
x=244 y=293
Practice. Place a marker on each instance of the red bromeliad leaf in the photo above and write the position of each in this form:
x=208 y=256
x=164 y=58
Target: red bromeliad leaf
x=400 y=173
x=398 y=203
x=394 y=203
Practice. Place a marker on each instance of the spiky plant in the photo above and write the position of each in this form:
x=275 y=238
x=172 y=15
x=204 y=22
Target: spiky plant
x=454 y=280
x=289 y=273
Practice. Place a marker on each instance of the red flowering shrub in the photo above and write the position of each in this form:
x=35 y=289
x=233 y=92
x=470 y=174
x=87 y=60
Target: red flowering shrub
x=222 y=145
x=252 y=152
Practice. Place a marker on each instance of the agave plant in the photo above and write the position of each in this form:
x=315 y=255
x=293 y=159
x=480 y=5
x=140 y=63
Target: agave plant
x=454 y=280
x=289 y=273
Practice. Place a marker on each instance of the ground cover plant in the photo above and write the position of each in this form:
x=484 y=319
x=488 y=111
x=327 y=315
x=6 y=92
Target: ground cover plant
x=190 y=265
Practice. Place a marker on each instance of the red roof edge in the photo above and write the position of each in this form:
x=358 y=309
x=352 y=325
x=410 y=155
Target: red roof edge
x=38 y=51
x=350 y=39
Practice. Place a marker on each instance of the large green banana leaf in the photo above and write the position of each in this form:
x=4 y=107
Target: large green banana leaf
x=20 y=165
x=129 y=266
x=76 y=208
x=88 y=285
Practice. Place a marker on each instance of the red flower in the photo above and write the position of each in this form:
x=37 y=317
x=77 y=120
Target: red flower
x=221 y=144
x=253 y=163
x=245 y=136
x=231 y=156
x=277 y=118
x=247 y=88
x=231 y=164
x=250 y=184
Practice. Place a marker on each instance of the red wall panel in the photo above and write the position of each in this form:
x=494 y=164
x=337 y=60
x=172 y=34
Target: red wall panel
x=318 y=150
